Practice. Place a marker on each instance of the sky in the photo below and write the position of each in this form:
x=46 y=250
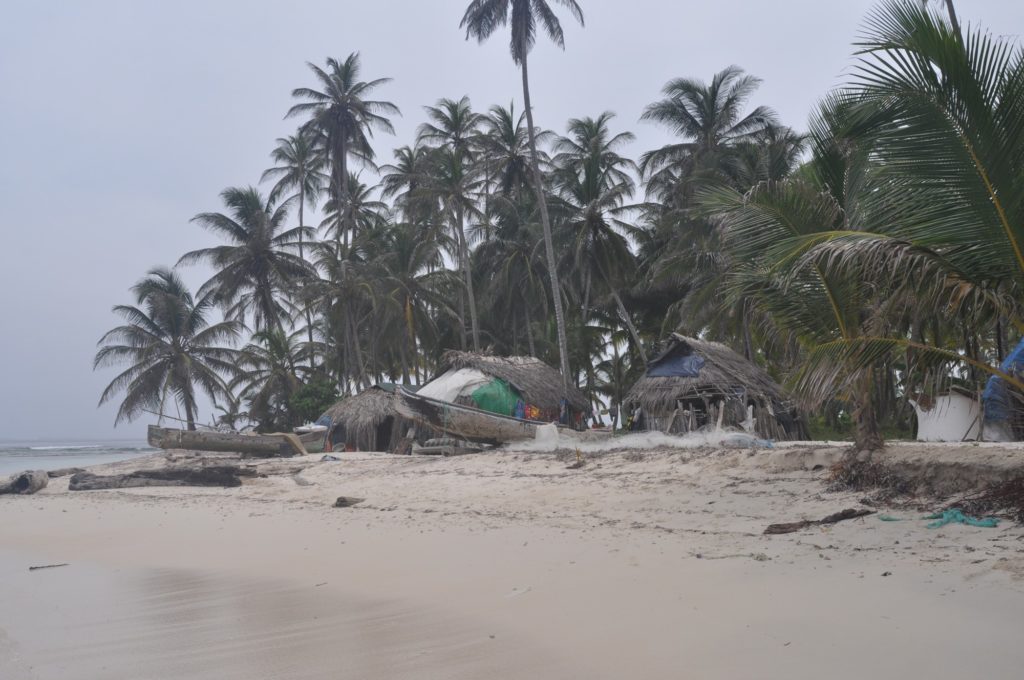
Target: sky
x=120 y=120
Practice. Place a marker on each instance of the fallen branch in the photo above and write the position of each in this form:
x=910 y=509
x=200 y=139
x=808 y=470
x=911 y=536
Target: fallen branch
x=48 y=566
x=790 y=527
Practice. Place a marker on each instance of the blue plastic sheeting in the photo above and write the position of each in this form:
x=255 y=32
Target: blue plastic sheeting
x=995 y=399
x=687 y=366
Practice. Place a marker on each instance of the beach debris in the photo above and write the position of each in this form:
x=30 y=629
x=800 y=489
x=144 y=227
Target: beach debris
x=579 y=461
x=347 y=501
x=48 y=566
x=957 y=516
x=790 y=527
x=63 y=472
x=890 y=518
x=886 y=573
x=301 y=481
x=1006 y=496
x=328 y=458
x=27 y=482
x=208 y=475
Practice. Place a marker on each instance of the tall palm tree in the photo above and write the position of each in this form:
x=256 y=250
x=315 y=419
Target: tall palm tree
x=453 y=184
x=594 y=181
x=710 y=119
x=299 y=169
x=483 y=18
x=451 y=124
x=256 y=271
x=344 y=118
x=402 y=179
x=170 y=348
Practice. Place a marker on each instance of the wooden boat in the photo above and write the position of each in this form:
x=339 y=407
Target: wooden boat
x=313 y=440
x=254 y=445
x=466 y=422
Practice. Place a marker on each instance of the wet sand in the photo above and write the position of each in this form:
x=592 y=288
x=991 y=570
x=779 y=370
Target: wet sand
x=508 y=566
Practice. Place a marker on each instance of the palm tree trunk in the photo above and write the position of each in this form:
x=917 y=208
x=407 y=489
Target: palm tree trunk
x=464 y=256
x=302 y=256
x=866 y=436
x=529 y=328
x=952 y=18
x=549 y=247
x=628 y=320
x=190 y=416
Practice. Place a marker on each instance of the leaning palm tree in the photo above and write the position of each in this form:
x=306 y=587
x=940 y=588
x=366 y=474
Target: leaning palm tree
x=344 y=118
x=481 y=19
x=257 y=270
x=170 y=348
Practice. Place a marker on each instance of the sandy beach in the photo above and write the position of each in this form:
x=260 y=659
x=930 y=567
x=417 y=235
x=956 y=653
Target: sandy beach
x=641 y=564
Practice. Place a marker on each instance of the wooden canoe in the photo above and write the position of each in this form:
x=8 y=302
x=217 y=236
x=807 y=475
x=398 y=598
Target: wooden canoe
x=466 y=422
x=255 y=445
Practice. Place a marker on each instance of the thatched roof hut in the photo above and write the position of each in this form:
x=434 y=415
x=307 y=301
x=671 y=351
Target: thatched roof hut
x=539 y=384
x=366 y=421
x=695 y=383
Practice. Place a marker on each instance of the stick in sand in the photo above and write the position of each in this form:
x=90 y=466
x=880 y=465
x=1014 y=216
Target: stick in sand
x=48 y=566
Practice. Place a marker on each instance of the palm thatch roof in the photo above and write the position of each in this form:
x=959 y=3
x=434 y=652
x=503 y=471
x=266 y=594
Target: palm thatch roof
x=713 y=378
x=539 y=384
x=361 y=416
x=724 y=374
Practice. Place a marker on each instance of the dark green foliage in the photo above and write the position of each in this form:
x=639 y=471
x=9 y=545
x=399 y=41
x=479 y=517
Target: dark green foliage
x=312 y=399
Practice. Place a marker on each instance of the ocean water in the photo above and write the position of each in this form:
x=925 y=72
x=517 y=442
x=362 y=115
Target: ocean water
x=17 y=456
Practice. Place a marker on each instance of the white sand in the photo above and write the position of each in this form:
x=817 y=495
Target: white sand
x=508 y=565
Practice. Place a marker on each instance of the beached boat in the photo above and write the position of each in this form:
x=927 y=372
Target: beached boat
x=256 y=445
x=466 y=422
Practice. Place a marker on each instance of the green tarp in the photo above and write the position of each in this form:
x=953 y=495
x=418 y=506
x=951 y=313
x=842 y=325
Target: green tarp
x=496 y=396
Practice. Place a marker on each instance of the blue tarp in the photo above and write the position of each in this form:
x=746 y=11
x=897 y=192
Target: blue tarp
x=997 y=405
x=687 y=366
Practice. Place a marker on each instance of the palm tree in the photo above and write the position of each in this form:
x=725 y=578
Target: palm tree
x=256 y=271
x=361 y=212
x=170 y=348
x=481 y=19
x=300 y=169
x=451 y=124
x=709 y=117
x=401 y=180
x=453 y=184
x=268 y=377
x=344 y=119
x=594 y=181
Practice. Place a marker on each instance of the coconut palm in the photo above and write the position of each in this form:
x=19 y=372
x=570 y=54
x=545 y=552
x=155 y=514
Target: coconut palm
x=453 y=184
x=299 y=169
x=267 y=377
x=344 y=119
x=402 y=179
x=170 y=347
x=709 y=118
x=481 y=19
x=361 y=212
x=257 y=271
x=593 y=180
x=451 y=124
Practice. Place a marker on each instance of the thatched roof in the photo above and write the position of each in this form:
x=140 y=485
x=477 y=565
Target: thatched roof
x=368 y=409
x=539 y=384
x=724 y=374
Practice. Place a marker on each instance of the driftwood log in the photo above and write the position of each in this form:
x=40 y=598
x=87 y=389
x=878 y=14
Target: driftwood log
x=63 y=472
x=210 y=475
x=790 y=527
x=26 y=482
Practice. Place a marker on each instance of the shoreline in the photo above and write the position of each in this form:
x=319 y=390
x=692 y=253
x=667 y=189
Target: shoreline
x=640 y=565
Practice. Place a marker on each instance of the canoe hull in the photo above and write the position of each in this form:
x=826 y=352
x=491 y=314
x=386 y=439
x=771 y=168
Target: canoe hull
x=466 y=422
x=256 y=445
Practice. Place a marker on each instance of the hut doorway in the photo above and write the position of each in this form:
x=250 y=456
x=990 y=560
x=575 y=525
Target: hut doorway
x=384 y=429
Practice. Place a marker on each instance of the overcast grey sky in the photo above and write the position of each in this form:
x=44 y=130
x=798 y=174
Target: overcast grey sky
x=121 y=120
